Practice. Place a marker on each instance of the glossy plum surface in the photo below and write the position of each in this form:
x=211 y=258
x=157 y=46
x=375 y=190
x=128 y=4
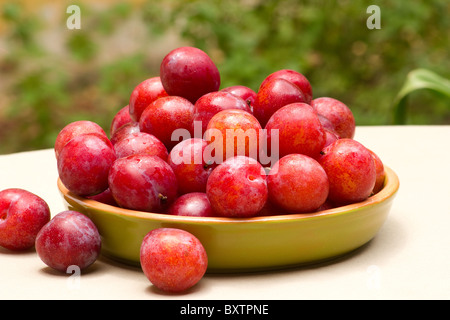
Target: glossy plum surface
x=233 y=132
x=69 y=239
x=350 y=169
x=84 y=163
x=338 y=114
x=22 y=215
x=165 y=115
x=143 y=94
x=296 y=78
x=140 y=142
x=210 y=104
x=273 y=95
x=244 y=92
x=172 y=259
x=143 y=182
x=298 y=130
x=298 y=184
x=189 y=72
x=191 y=165
x=121 y=118
x=194 y=204
x=74 y=129
x=237 y=187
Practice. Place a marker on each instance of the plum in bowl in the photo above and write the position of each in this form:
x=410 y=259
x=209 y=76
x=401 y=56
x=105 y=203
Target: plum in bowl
x=246 y=244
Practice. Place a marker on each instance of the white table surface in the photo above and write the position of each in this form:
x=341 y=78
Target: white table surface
x=408 y=259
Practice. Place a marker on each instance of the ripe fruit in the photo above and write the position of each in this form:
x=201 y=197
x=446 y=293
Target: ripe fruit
x=164 y=115
x=233 y=132
x=70 y=238
x=74 y=129
x=298 y=183
x=273 y=95
x=190 y=165
x=381 y=174
x=299 y=130
x=143 y=182
x=84 y=162
x=140 y=142
x=143 y=94
x=189 y=72
x=105 y=197
x=194 y=204
x=211 y=103
x=296 y=78
x=125 y=130
x=22 y=215
x=338 y=114
x=247 y=94
x=237 y=187
x=121 y=118
x=350 y=169
x=173 y=260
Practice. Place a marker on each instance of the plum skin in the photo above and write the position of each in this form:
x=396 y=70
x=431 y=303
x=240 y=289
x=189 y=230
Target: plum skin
x=243 y=92
x=121 y=118
x=211 y=103
x=140 y=142
x=298 y=184
x=193 y=204
x=237 y=187
x=143 y=182
x=74 y=129
x=164 y=115
x=22 y=215
x=69 y=238
x=296 y=78
x=189 y=72
x=273 y=95
x=299 y=130
x=239 y=131
x=338 y=114
x=351 y=171
x=84 y=163
x=172 y=259
x=143 y=94
x=190 y=164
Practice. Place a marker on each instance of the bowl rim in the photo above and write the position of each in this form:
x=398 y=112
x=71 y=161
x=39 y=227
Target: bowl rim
x=390 y=187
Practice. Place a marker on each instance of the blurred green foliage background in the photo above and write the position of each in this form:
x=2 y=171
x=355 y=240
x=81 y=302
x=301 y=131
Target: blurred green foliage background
x=51 y=75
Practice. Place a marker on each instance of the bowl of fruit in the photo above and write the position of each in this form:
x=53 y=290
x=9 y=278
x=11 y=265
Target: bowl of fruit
x=264 y=180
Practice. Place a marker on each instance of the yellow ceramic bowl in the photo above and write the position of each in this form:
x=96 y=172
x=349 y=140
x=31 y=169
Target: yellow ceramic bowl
x=237 y=245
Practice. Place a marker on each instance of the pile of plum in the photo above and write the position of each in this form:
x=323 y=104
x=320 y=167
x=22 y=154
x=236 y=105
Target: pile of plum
x=184 y=146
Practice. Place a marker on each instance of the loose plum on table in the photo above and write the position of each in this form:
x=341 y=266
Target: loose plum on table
x=172 y=259
x=22 y=215
x=69 y=239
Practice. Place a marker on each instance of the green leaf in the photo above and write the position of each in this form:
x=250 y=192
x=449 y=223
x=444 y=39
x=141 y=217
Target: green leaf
x=416 y=80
